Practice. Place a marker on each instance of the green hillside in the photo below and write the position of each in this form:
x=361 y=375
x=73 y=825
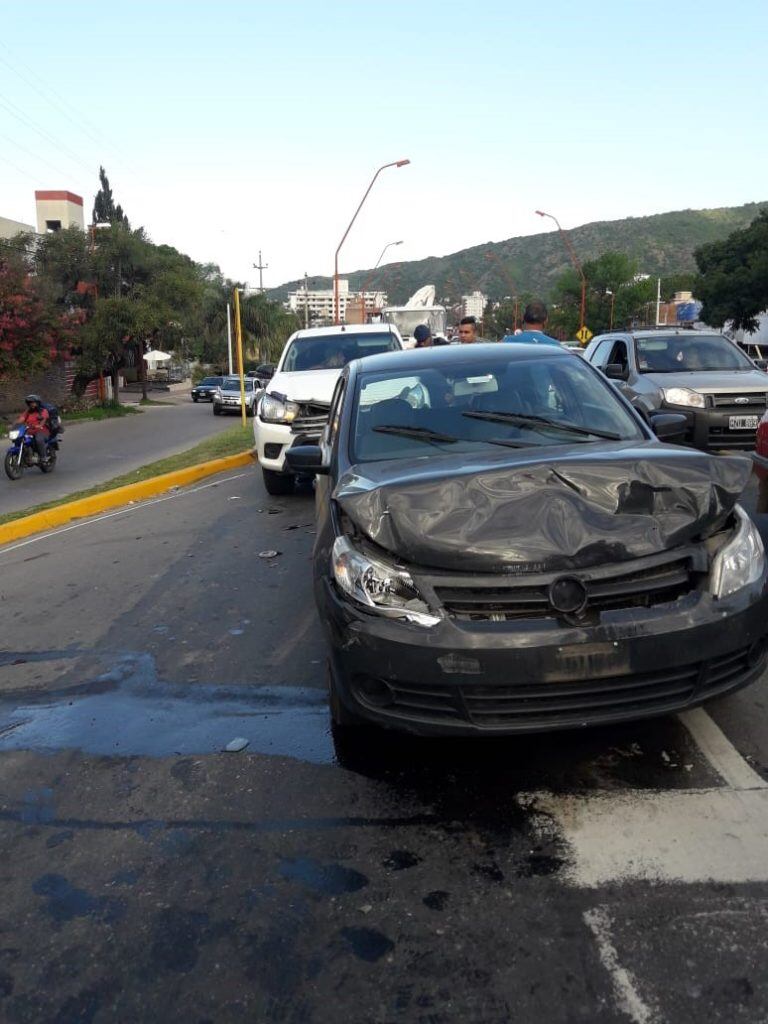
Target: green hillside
x=662 y=244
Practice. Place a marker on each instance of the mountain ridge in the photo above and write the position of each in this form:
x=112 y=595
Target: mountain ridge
x=662 y=243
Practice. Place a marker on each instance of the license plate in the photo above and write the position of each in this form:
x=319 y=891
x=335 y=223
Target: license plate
x=742 y=422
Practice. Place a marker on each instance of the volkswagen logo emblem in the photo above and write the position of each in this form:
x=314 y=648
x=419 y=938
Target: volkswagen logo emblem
x=740 y=401
x=568 y=595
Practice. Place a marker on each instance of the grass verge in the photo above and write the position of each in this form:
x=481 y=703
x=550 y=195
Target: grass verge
x=228 y=442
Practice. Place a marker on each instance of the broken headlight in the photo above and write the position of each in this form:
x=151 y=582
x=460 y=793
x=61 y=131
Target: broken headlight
x=377 y=586
x=741 y=561
x=278 y=410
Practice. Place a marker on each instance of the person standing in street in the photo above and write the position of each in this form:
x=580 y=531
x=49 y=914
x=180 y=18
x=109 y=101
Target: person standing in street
x=423 y=336
x=534 y=321
x=468 y=331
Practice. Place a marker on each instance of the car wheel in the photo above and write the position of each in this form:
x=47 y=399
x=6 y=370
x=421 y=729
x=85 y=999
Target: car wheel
x=216 y=409
x=194 y=398
x=49 y=464
x=277 y=484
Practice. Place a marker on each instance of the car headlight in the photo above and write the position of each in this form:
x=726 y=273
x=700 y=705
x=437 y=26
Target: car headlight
x=379 y=587
x=278 y=410
x=683 y=396
x=13 y=434
x=741 y=561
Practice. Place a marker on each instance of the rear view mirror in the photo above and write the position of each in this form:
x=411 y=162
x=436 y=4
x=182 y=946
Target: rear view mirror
x=668 y=426
x=616 y=371
x=306 y=459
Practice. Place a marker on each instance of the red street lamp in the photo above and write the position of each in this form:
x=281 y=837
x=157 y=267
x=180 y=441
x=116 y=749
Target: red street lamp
x=395 y=163
x=574 y=260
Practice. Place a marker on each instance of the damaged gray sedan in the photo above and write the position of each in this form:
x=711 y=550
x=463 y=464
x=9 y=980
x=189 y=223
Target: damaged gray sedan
x=504 y=545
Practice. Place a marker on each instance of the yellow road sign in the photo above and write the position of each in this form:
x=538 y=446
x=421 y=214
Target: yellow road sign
x=584 y=334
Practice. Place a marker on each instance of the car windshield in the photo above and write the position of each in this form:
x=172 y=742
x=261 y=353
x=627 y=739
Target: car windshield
x=331 y=351
x=678 y=353
x=523 y=403
x=210 y=382
x=233 y=384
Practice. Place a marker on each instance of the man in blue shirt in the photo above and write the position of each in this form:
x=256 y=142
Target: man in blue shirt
x=534 y=321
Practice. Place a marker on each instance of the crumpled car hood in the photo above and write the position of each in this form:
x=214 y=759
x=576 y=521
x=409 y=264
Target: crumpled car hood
x=522 y=512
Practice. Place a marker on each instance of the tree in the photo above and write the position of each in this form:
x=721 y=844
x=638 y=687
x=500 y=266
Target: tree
x=114 y=336
x=104 y=209
x=733 y=276
x=33 y=332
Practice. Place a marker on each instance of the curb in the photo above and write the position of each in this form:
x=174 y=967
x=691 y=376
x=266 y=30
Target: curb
x=83 y=507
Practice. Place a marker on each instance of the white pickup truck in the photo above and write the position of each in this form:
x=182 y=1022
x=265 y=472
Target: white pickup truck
x=294 y=407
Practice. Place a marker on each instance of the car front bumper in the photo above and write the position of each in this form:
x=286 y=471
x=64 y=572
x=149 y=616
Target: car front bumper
x=498 y=678
x=709 y=429
x=272 y=441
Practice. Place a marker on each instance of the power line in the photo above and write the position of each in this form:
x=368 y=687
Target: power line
x=24 y=119
x=49 y=96
x=34 y=156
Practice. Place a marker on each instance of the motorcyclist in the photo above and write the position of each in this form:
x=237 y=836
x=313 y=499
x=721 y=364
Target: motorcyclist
x=38 y=422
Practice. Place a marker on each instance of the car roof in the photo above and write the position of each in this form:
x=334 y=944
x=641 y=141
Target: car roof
x=659 y=332
x=342 y=329
x=443 y=356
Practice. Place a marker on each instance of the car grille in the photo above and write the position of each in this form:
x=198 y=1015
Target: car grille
x=644 y=588
x=530 y=704
x=752 y=401
x=312 y=418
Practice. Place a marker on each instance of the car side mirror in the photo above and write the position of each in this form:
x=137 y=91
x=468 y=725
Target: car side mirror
x=761 y=364
x=668 y=426
x=306 y=459
x=616 y=371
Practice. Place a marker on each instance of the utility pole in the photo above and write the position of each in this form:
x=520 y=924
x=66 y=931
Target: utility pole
x=658 y=300
x=306 y=300
x=229 y=341
x=260 y=267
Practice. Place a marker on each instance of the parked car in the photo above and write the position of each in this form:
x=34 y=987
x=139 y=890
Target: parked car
x=702 y=374
x=265 y=371
x=227 y=398
x=504 y=545
x=294 y=408
x=204 y=391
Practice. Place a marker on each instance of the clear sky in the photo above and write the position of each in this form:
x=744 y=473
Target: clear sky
x=228 y=127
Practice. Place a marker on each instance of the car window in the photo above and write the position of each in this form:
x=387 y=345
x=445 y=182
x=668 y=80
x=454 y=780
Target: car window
x=600 y=356
x=618 y=355
x=332 y=351
x=210 y=381
x=460 y=408
x=686 y=353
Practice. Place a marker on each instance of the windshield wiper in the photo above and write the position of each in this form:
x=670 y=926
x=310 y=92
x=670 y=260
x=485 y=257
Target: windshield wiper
x=542 y=421
x=417 y=433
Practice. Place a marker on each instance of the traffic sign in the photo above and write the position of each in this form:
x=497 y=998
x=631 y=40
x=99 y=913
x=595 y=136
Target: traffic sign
x=584 y=334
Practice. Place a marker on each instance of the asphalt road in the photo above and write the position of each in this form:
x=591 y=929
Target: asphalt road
x=609 y=875
x=93 y=452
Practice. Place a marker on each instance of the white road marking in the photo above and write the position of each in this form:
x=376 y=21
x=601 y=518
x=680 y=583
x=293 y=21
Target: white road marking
x=628 y=998
x=703 y=835
x=720 y=752
x=120 y=512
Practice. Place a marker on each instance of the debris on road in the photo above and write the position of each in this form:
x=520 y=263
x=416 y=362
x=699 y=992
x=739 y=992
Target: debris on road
x=269 y=554
x=237 y=744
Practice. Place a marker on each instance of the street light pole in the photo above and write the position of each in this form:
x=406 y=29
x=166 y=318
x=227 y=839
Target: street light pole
x=239 y=339
x=261 y=267
x=370 y=277
x=395 y=163
x=574 y=260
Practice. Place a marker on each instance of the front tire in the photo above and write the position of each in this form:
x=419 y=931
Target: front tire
x=49 y=464
x=194 y=399
x=216 y=409
x=277 y=484
x=13 y=469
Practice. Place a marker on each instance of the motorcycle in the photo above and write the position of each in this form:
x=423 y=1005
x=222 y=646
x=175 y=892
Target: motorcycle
x=23 y=455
